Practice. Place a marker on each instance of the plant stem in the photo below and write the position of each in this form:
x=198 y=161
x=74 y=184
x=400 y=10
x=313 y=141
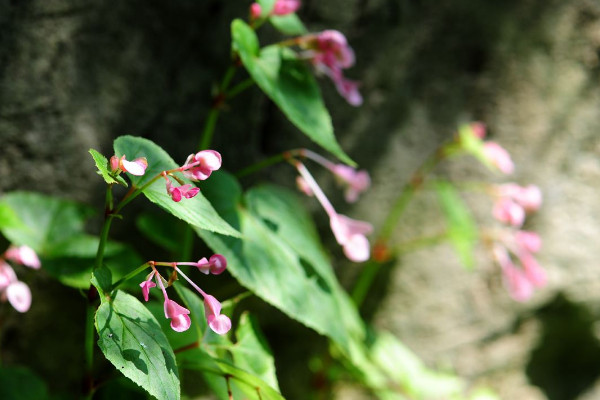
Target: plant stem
x=260 y=165
x=129 y=275
x=239 y=88
x=209 y=127
x=364 y=282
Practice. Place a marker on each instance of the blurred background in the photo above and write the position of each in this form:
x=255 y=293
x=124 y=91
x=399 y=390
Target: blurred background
x=77 y=74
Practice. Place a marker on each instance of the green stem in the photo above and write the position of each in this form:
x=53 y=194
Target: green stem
x=129 y=275
x=364 y=282
x=209 y=128
x=261 y=164
x=239 y=88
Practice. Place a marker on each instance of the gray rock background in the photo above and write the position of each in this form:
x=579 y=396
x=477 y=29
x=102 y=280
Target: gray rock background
x=76 y=74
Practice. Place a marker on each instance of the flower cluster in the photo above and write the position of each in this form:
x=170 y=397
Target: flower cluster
x=197 y=167
x=330 y=54
x=179 y=315
x=512 y=203
x=280 y=8
x=16 y=292
x=349 y=233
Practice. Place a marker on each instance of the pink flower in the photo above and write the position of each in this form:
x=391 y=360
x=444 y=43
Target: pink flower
x=535 y=274
x=519 y=287
x=285 y=7
x=348 y=89
x=498 y=157
x=7 y=275
x=198 y=167
x=356 y=181
x=23 y=255
x=350 y=234
x=529 y=197
x=507 y=211
x=218 y=322
x=178 y=192
x=255 y=11
x=180 y=320
x=215 y=265
x=147 y=285
x=528 y=241
x=19 y=296
x=136 y=167
x=478 y=129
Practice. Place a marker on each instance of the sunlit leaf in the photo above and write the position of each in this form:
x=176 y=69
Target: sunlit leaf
x=196 y=211
x=290 y=84
x=132 y=340
x=102 y=165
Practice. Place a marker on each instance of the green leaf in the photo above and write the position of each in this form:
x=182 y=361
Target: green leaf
x=288 y=24
x=132 y=340
x=46 y=221
x=21 y=383
x=290 y=84
x=251 y=351
x=461 y=227
x=102 y=280
x=102 y=165
x=162 y=229
x=280 y=259
x=8 y=218
x=196 y=211
x=244 y=384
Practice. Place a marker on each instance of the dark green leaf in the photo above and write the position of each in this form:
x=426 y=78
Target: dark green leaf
x=102 y=280
x=290 y=84
x=132 y=340
x=461 y=227
x=196 y=211
x=103 y=171
x=162 y=229
x=20 y=383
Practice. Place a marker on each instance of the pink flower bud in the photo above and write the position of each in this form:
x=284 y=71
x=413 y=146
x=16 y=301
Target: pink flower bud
x=533 y=271
x=199 y=166
x=350 y=234
x=180 y=320
x=356 y=181
x=519 y=287
x=136 y=167
x=114 y=163
x=498 y=157
x=507 y=211
x=255 y=11
x=218 y=322
x=528 y=241
x=218 y=264
x=19 y=296
x=334 y=49
x=478 y=129
x=23 y=255
x=146 y=286
x=348 y=89
x=7 y=275
x=285 y=7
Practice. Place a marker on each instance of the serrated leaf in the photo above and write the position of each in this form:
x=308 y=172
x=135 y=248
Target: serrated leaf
x=132 y=340
x=102 y=165
x=290 y=84
x=280 y=259
x=244 y=384
x=196 y=211
x=461 y=227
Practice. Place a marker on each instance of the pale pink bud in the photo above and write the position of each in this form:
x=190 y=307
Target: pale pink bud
x=216 y=265
x=303 y=186
x=348 y=89
x=478 y=129
x=19 y=296
x=203 y=164
x=519 y=286
x=530 y=197
x=218 y=322
x=498 y=157
x=23 y=255
x=507 y=211
x=356 y=181
x=350 y=234
x=285 y=7
x=528 y=241
x=335 y=49
x=180 y=320
x=136 y=167
x=255 y=11
x=7 y=275
x=114 y=163
x=533 y=271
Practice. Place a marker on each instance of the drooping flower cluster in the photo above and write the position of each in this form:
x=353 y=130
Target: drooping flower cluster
x=512 y=202
x=349 y=233
x=16 y=292
x=330 y=54
x=179 y=315
x=197 y=167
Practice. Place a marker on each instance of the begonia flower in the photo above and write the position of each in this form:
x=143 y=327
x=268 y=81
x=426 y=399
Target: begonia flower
x=498 y=157
x=178 y=192
x=7 y=275
x=533 y=271
x=180 y=320
x=136 y=167
x=219 y=323
x=356 y=181
x=147 y=285
x=529 y=197
x=507 y=211
x=199 y=166
x=285 y=7
x=19 y=296
x=350 y=234
x=215 y=265
x=528 y=241
x=519 y=286
x=23 y=255
x=478 y=129
x=348 y=89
